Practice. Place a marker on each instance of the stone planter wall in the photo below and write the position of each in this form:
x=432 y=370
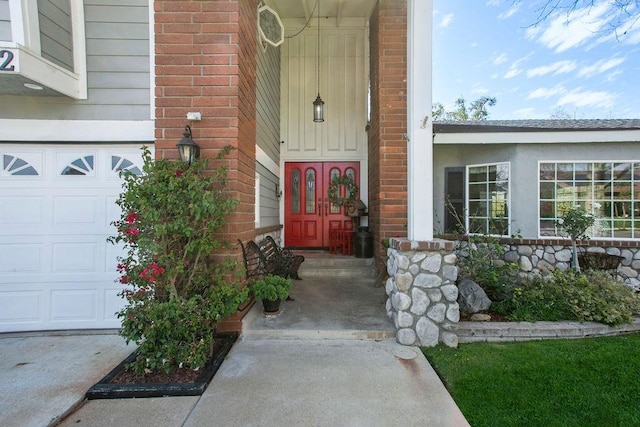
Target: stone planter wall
x=422 y=292
x=541 y=259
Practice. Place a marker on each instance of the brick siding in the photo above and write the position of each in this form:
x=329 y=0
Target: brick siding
x=205 y=61
x=387 y=146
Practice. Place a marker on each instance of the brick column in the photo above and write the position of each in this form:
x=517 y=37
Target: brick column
x=205 y=61
x=387 y=146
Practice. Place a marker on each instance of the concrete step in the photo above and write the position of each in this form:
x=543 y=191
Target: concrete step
x=339 y=266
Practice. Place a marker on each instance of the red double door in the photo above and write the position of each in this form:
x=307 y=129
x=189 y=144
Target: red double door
x=308 y=215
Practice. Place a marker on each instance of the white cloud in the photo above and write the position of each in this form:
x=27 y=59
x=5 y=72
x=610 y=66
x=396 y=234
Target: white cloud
x=503 y=57
x=600 y=67
x=479 y=90
x=493 y=2
x=587 y=98
x=514 y=70
x=446 y=20
x=509 y=13
x=561 y=34
x=560 y=67
x=543 y=92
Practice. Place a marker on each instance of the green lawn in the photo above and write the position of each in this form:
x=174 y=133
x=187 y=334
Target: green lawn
x=582 y=382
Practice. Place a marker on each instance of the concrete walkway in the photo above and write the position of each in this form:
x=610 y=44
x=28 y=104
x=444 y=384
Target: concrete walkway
x=324 y=361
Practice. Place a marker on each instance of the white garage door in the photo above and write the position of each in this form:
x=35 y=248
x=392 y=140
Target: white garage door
x=57 y=270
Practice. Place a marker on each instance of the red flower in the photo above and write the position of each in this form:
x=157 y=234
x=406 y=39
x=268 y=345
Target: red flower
x=178 y=173
x=131 y=218
x=151 y=272
x=125 y=279
x=131 y=231
x=130 y=316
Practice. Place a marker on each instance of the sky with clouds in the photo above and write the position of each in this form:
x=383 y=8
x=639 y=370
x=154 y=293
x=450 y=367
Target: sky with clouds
x=580 y=68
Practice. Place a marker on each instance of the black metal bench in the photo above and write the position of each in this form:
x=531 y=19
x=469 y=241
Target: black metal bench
x=268 y=258
x=284 y=261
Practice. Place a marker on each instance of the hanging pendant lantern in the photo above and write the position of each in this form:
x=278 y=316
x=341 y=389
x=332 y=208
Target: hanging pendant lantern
x=318 y=104
x=318 y=109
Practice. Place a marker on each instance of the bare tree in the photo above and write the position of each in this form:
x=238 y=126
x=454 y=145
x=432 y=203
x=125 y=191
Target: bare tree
x=622 y=16
x=560 y=114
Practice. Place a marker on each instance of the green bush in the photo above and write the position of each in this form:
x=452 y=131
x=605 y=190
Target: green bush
x=480 y=259
x=571 y=295
x=171 y=223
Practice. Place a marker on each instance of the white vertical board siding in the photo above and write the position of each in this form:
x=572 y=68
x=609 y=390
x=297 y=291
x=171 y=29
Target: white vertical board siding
x=5 y=21
x=118 y=69
x=54 y=17
x=343 y=88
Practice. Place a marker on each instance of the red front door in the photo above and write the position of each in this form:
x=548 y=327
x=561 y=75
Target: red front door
x=308 y=215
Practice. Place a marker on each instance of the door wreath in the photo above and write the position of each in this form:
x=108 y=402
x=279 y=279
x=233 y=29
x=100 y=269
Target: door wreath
x=351 y=190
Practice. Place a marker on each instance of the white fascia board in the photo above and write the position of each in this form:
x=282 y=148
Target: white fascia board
x=566 y=137
x=23 y=130
x=79 y=49
x=267 y=162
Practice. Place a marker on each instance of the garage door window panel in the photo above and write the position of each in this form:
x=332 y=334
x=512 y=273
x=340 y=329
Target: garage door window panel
x=80 y=166
x=16 y=166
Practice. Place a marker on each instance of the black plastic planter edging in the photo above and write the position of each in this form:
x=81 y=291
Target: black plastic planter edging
x=104 y=390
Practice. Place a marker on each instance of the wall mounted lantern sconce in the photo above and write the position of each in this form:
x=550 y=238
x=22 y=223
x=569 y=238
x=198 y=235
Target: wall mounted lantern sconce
x=278 y=191
x=187 y=147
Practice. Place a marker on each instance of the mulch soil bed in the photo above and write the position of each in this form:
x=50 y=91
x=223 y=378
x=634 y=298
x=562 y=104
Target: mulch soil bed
x=123 y=383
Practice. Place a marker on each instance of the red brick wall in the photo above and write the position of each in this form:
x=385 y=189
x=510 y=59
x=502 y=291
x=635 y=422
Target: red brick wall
x=387 y=146
x=206 y=62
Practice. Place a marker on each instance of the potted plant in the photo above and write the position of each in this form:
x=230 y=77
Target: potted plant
x=271 y=290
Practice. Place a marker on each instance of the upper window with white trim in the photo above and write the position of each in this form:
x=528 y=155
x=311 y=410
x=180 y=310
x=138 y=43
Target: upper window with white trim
x=610 y=190
x=487 y=202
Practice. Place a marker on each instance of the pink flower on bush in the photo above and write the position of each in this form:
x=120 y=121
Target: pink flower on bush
x=132 y=231
x=125 y=279
x=151 y=272
x=131 y=218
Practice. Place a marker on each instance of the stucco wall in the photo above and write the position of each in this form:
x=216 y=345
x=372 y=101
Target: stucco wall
x=523 y=181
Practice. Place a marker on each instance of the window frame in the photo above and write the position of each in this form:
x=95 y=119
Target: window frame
x=592 y=202
x=467 y=195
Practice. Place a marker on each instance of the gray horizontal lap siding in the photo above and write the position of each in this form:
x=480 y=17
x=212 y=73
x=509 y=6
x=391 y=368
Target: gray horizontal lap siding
x=268 y=131
x=118 y=69
x=56 y=42
x=269 y=204
x=268 y=102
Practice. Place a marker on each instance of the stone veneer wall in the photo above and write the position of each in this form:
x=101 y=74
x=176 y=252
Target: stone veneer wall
x=540 y=257
x=422 y=292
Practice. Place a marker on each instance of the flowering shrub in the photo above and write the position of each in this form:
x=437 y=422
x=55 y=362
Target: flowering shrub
x=170 y=225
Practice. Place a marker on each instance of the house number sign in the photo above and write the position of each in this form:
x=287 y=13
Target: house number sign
x=8 y=61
